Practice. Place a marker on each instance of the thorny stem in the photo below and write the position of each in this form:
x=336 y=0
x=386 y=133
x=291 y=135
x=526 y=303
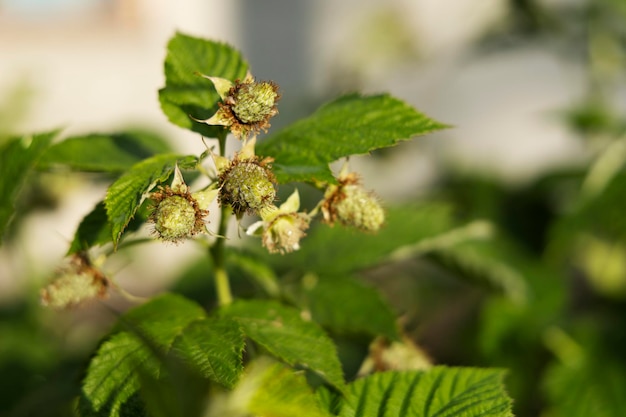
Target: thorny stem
x=217 y=251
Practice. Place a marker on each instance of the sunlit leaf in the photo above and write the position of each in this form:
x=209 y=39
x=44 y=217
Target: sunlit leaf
x=188 y=95
x=347 y=306
x=338 y=250
x=269 y=389
x=114 y=153
x=146 y=336
x=285 y=334
x=352 y=124
x=441 y=392
x=126 y=194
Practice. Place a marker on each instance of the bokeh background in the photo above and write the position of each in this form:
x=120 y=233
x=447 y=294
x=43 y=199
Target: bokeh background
x=531 y=87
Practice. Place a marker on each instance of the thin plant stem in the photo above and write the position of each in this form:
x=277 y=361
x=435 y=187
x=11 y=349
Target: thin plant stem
x=128 y=296
x=217 y=250
x=218 y=254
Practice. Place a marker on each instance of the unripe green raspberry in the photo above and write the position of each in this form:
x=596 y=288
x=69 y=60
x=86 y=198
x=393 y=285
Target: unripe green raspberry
x=247 y=186
x=176 y=213
x=76 y=284
x=69 y=290
x=174 y=218
x=352 y=205
x=360 y=209
x=246 y=107
x=254 y=102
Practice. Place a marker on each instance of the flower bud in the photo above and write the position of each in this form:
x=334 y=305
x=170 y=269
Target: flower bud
x=282 y=227
x=247 y=186
x=284 y=233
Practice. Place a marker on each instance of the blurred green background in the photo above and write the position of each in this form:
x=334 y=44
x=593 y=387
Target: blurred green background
x=537 y=94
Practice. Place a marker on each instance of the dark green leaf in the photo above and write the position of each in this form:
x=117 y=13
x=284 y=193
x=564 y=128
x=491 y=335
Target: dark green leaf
x=257 y=270
x=336 y=251
x=127 y=193
x=95 y=229
x=601 y=216
x=350 y=125
x=168 y=325
x=112 y=377
x=104 y=152
x=162 y=319
x=18 y=157
x=345 y=305
x=588 y=391
x=180 y=392
x=485 y=264
x=441 y=392
x=285 y=334
x=214 y=348
x=186 y=93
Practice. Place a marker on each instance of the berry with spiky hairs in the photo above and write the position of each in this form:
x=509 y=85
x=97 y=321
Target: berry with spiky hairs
x=176 y=215
x=351 y=205
x=247 y=186
x=246 y=106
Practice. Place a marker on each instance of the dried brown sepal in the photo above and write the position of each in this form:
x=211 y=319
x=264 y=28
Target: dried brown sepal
x=334 y=195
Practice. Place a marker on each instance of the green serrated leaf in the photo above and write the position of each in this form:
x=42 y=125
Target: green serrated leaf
x=18 y=157
x=285 y=334
x=163 y=318
x=214 y=348
x=352 y=124
x=95 y=229
x=283 y=393
x=186 y=93
x=112 y=378
x=113 y=153
x=337 y=251
x=440 y=391
x=178 y=391
x=167 y=325
x=269 y=388
x=345 y=305
x=126 y=194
